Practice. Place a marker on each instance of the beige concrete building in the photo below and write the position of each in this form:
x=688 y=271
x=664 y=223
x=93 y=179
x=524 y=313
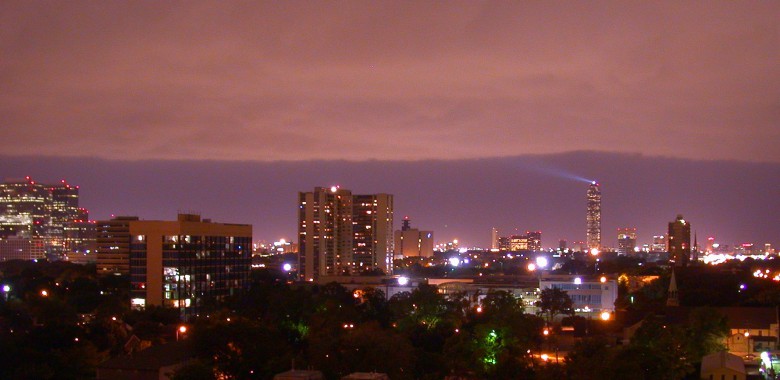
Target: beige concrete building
x=188 y=262
x=411 y=242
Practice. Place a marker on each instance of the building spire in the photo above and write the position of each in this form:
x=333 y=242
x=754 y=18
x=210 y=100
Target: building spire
x=672 y=298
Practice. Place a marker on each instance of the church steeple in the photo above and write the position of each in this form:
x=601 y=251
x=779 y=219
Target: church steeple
x=672 y=298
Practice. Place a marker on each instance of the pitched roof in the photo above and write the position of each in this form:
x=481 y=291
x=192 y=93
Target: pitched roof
x=749 y=317
x=722 y=359
x=739 y=317
x=152 y=358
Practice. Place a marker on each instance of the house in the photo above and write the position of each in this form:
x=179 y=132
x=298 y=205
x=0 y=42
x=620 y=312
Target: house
x=723 y=366
x=154 y=363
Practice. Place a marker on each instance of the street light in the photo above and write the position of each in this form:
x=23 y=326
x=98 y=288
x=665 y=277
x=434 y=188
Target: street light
x=605 y=315
x=181 y=330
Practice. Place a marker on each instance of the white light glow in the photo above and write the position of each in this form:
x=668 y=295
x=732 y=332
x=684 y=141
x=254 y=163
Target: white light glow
x=403 y=281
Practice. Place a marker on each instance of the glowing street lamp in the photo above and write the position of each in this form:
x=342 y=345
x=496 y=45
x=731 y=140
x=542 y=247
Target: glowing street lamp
x=44 y=293
x=403 y=281
x=605 y=316
x=181 y=330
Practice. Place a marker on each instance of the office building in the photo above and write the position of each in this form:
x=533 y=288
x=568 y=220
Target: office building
x=186 y=263
x=113 y=245
x=534 y=240
x=659 y=243
x=411 y=242
x=679 y=243
x=47 y=215
x=590 y=296
x=593 y=217
x=626 y=240
x=342 y=234
x=530 y=241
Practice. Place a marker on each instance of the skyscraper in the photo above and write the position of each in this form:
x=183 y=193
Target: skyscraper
x=626 y=240
x=494 y=238
x=593 y=216
x=47 y=217
x=341 y=234
x=679 y=242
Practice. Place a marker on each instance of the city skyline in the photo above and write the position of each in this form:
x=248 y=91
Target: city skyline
x=456 y=200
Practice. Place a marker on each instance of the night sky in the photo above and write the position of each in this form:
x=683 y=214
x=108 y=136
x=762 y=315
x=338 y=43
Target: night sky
x=473 y=114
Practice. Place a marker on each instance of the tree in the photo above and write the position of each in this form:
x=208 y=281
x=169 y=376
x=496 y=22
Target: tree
x=554 y=301
x=706 y=331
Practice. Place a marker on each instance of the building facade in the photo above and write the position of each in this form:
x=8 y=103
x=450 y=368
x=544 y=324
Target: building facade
x=626 y=240
x=372 y=225
x=593 y=216
x=411 y=242
x=679 y=242
x=113 y=245
x=340 y=233
x=590 y=296
x=44 y=215
x=188 y=263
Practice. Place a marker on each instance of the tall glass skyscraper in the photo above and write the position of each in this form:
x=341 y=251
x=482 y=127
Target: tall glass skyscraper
x=39 y=220
x=594 y=216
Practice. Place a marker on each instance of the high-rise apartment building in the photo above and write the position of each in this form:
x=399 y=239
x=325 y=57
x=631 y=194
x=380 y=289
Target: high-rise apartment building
x=593 y=217
x=494 y=238
x=411 y=242
x=372 y=225
x=626 y=240
x=186 y=263
x=340 y=233
x=38 y=215
x=679 y=242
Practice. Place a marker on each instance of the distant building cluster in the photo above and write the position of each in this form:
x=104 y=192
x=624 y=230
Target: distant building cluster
x=44 y=221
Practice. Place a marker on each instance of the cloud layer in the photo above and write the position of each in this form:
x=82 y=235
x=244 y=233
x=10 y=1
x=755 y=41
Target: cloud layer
x=302 y=80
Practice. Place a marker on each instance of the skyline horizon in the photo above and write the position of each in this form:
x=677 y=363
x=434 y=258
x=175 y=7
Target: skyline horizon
x=554 y=173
